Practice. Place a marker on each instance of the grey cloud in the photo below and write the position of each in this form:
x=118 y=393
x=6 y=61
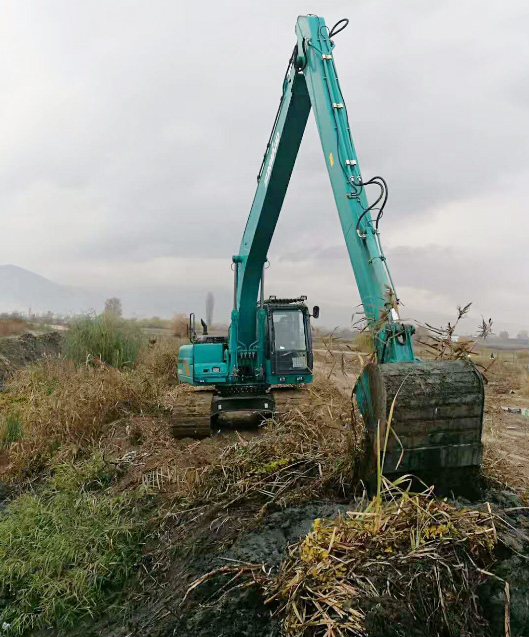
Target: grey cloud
x=160 y=112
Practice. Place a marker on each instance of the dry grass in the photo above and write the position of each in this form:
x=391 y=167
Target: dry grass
x=12 y=327
x=362 y=342
x=499 y=469
x=55 y=404
x=161 y=359
x=309 y=452
x=523 y=380
x=441 y=342
x=59 y=404
x=180 y=325
x=412 y=560
x=300 y=455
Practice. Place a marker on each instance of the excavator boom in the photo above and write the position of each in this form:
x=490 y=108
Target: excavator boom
x=311 y=82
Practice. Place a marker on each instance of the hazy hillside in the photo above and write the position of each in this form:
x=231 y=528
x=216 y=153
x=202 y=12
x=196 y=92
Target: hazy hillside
x=22 y=290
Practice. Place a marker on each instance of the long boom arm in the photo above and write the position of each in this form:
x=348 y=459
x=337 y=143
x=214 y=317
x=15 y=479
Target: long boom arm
x=311 y=81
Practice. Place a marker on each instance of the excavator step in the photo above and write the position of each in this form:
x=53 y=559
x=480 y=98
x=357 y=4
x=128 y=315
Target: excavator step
x=422 y=417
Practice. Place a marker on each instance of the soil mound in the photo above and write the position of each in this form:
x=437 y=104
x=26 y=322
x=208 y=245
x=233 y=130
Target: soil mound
x=26 y=349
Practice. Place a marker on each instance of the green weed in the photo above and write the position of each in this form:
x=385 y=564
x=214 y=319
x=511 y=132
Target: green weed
x=64 y=551
x=10 y=430
x=107 y=338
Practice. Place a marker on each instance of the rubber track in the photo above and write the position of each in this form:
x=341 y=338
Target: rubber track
x=191 y=414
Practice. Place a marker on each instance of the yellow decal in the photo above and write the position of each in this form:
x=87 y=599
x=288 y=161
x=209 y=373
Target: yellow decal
x=331 y=159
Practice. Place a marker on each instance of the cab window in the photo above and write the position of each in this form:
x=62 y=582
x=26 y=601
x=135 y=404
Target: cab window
x=289 y=331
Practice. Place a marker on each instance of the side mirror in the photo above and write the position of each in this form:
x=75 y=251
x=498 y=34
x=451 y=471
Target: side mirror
x=316 y=311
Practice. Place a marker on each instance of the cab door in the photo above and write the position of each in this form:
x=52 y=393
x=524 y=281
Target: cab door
x=289 y=345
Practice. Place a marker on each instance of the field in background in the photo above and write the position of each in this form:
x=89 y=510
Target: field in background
x=11 y=327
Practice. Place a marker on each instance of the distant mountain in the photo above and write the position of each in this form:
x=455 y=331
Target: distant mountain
x=22 y=290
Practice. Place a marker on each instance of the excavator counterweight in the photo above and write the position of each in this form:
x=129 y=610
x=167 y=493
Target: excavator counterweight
x=422 y=417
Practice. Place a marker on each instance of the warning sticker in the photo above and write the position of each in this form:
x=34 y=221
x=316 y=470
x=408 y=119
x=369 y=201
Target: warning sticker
x=299 y=362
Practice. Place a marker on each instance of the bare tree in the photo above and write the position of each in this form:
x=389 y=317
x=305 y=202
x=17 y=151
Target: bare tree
x=113 y=307
x=210 y=306
x=504 y=335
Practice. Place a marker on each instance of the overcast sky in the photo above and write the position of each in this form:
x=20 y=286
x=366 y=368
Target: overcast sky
x=131 y=133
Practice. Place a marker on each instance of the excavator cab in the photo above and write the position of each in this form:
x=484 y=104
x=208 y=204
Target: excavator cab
x=282 y=356
x=289 y=341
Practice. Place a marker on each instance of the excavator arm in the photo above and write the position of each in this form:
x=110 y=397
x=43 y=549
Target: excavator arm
x=311 y=81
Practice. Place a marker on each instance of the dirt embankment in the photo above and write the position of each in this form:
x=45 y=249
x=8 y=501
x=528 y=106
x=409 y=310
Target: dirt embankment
x=26 y=349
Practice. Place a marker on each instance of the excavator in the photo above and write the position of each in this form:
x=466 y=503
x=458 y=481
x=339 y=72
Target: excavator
x=427 y=414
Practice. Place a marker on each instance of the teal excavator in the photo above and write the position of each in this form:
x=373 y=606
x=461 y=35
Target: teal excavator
x=436 y=407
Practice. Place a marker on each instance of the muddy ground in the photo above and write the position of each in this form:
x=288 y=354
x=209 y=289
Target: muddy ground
x=158 y=608
x=16 y=352
x=160 y=611
x=155 y=605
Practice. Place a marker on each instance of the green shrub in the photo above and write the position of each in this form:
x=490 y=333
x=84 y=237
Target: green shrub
x=107 y=337
x=65 y=550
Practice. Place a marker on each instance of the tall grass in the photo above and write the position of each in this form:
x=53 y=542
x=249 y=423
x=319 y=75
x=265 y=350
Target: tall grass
x=161 y=359
x=65 y=549
x=59 y=403
x=107 y=338
x=180 y=326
